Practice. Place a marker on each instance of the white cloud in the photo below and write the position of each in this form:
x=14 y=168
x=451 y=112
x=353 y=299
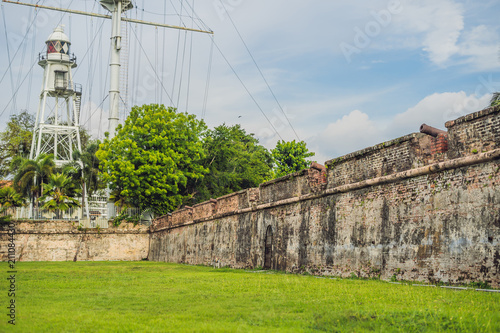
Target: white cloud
x=480 y=46
x=356 y=130
x=437 y=25
x=435 y=110
x=350 y=133
x=438 y=28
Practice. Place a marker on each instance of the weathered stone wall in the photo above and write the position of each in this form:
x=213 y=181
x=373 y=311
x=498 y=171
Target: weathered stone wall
x=406 y=208
x=62 y=241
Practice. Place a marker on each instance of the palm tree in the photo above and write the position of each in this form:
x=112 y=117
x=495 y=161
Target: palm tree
x=10 y=198
x=84 y=169
x=59 y=194
x=32 y=174
x=495 y=99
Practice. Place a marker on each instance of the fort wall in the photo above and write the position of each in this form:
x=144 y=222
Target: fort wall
x=417 y=207
x=63 y=241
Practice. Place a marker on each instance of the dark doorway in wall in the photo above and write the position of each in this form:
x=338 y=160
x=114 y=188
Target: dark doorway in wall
x=268 y=248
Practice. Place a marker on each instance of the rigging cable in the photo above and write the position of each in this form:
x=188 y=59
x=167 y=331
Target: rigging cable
x=33 y=53
x=207 y=86
x=24 y=79
x=182 y=69
x=100 y=130
x=156 y=63
x=90 y=32
x=163 y=45
x=150 y=64
x=137 y=58
x=24 y=37
x=23 y=57
x=248 y=91
x=10 y=61
x=203 y=26
x=177 y=52
x=190 y=58
x=258 y=68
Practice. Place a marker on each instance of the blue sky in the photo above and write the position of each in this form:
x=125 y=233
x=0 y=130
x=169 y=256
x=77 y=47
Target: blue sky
x=348 y=75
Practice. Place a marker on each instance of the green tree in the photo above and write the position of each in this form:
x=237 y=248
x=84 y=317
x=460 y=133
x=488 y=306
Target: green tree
x=290 y=157
x=152 y=157
x=15 y=140
x=235 y=161
x=495 y=99
x=32 y=174
x=59 y=194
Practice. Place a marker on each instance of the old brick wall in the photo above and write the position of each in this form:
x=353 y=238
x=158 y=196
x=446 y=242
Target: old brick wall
x=407 y=152
x=404 y=208
x=474 y=133
x=61 y=241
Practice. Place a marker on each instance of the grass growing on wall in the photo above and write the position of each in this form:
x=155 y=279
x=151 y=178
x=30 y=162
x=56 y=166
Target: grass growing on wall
x=149 y=296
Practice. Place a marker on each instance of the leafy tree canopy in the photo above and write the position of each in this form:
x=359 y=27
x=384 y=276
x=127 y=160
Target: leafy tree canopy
x=495 y=99
x=290 y=157
x=153 y=156
x=15 y=140
x=235 y=161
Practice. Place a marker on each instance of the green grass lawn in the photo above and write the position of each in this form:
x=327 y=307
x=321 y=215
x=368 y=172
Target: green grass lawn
x=149 y=296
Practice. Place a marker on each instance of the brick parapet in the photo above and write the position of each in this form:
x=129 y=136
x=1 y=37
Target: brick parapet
x=204 y=209
x=181 y=216
x=404 y=153
x=474 y=133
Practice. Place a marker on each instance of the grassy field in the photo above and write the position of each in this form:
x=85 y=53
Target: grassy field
x=148 y=296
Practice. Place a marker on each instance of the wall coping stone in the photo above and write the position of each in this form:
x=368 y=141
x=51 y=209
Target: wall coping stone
x=230 y=195
x=473 y=116
x=372 y=149
x=204 y=203
x=283 y=178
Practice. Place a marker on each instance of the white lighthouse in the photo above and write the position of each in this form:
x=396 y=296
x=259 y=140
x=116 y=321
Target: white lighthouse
x=57 y=127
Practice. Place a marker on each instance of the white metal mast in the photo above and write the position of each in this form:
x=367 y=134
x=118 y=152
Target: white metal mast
x=116 y=7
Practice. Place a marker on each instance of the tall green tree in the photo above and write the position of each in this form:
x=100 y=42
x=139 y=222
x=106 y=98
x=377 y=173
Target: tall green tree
x=32 y=174
x=495 y=99
x=59 y=194
x=153 y=157
x=235 y=161
x=290 y=157
x=15 y=140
